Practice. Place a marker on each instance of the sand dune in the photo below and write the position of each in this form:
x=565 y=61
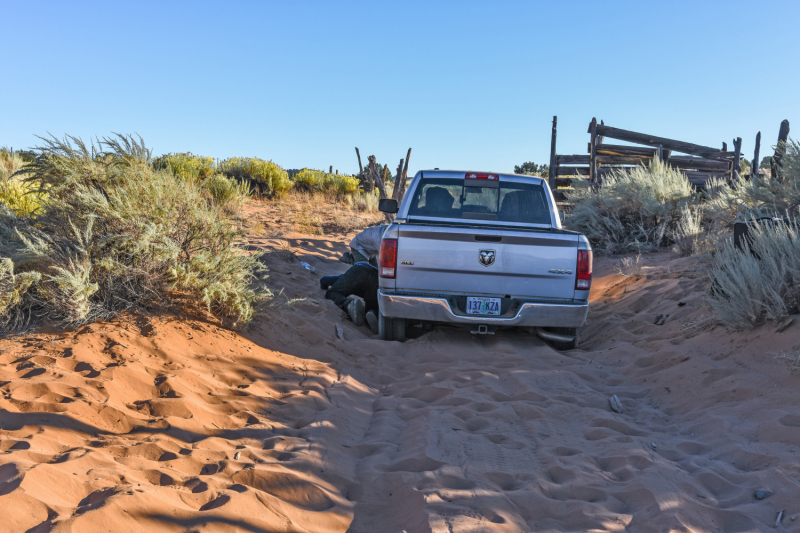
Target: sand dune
x=179 y=425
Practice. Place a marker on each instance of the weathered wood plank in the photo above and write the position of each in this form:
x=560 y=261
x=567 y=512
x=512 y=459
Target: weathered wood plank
x=669 y=144
x=699 y=164
x=552 y=170
x=572 y=171
x=572 y=159
x=559 y=196
x=564 y=182
x=619 y=149
x=696 y=175
x=622 y=160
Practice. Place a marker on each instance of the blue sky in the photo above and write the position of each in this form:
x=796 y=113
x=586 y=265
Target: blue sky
x=467 y=85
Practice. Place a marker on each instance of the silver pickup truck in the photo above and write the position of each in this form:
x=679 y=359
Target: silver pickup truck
x=483 y=250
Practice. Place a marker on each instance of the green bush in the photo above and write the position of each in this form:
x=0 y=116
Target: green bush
x=186 y=165
x=637 y=210
x=14 y=192
x=227 y=193
x=318 y=181
x=265 y=176
x=118 y=234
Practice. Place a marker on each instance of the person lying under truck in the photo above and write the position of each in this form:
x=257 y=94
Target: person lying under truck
x=366 y=246
x=360 y=280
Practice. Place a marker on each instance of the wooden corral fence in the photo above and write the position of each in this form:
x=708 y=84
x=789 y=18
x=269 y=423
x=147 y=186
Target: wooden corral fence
x=699 y=163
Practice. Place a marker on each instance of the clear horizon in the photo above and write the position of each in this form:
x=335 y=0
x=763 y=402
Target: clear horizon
x=466 y=85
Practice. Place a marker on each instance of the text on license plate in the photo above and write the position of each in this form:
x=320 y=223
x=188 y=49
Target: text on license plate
x=483 y=306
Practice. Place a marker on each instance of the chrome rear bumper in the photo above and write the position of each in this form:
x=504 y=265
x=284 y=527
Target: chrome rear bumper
x=437 y=309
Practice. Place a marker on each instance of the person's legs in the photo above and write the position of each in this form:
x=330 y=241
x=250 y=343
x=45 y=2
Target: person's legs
x=326 y=281
x=352 y=282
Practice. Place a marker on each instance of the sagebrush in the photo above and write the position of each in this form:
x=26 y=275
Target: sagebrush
x=636 y=210
x=760 y=283
x=117 y=233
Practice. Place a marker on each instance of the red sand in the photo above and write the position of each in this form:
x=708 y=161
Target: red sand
x=182 y=426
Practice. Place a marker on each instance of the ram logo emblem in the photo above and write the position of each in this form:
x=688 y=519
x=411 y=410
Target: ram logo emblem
x=486 y=257
x=559 y=271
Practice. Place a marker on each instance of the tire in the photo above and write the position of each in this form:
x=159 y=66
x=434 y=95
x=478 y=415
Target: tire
x=560 y=345
x=391 y=329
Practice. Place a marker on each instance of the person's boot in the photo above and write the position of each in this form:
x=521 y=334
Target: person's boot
x=372 y=321
x=355 y=308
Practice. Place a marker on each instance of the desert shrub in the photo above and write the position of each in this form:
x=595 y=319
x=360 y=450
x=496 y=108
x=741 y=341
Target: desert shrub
x=364 y=201
x=688 y=229
x=318 y=181
x=266 y=177
x=759 y=196
x=61 y=165
x=630 y=267
x=340 y=185
x=186 y=165
x=227 y=193
x=635 y=210
x=14 y=192
x=117 y=234
x=308 y=180
x=13 y=287
x=747 y=288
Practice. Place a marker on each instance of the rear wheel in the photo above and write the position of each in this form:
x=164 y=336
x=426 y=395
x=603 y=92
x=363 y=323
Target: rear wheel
x=564 y=345
x=391 y=329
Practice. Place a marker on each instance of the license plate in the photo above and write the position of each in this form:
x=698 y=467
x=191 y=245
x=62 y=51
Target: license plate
x=483 y=306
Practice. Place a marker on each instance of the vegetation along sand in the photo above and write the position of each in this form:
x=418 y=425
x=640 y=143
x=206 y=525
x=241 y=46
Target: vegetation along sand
x=168 y=365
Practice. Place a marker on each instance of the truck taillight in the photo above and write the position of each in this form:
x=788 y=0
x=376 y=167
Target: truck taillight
x=388 y=258
x=481 y=176
x=584 y=279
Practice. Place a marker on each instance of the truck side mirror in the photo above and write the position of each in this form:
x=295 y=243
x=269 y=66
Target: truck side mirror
x=387 y=205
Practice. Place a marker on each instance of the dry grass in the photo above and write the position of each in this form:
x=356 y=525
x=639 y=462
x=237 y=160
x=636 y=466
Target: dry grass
x=324 y=213
x=630 y=267
x=792 y=360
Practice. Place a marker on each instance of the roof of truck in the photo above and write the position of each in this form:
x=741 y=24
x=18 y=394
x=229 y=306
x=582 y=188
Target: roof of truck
x=459 y=174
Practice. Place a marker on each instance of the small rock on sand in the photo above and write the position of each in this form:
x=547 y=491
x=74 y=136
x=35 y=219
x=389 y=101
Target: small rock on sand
x=616 y=405
x=762 y=494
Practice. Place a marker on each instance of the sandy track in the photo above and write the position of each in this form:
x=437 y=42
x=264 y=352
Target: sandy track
x=181 y=426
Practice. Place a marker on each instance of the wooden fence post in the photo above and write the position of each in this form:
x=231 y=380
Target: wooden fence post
x=724 y=147
x=754 y=171
x=551 y=177
x=660 y=153
x=361 y=171
x=397 y=180
x=402 y=192
x=330 y=170
x=737 y=163
x=376 y=177
x=780 y=148
x=593 y=151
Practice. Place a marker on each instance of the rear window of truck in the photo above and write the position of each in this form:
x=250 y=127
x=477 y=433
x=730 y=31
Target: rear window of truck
x=505 y=201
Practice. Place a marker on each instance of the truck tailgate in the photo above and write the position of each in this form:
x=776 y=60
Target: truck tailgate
x=490 y=261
